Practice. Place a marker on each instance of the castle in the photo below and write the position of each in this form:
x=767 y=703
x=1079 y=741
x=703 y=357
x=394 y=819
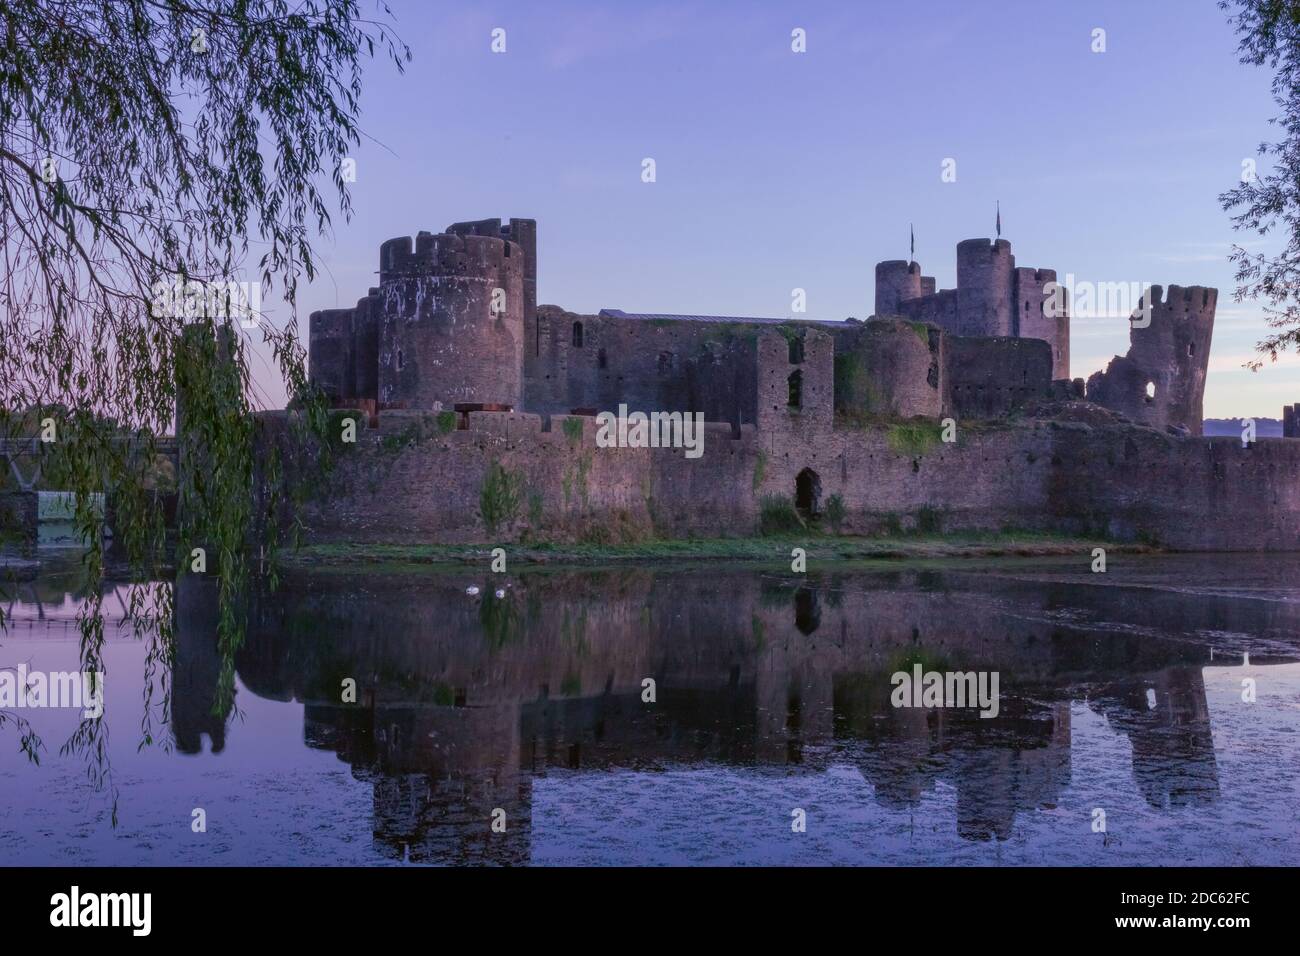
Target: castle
x=454 y=322
x=949 y=410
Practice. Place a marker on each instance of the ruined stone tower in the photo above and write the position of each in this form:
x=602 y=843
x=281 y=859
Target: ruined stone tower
x=1161 y=381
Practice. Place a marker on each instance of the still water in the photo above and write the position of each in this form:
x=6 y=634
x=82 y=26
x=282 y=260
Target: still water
x=1123 y=699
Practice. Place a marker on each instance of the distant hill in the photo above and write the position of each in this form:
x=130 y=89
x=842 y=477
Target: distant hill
x=1264 y=427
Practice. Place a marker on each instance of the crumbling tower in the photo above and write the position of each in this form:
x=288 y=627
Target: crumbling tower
x=1161 y=381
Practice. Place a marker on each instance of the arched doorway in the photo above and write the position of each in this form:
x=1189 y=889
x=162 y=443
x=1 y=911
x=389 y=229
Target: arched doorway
x=808 y=494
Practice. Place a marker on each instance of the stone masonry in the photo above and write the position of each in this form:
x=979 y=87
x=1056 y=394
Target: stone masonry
x=836 y=418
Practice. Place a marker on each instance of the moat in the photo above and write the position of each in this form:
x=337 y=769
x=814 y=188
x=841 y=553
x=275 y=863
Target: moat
x=524 y=694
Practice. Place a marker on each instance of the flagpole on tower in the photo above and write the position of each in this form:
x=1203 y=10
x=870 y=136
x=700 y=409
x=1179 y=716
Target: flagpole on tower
x=999 y=218
x=912 y=230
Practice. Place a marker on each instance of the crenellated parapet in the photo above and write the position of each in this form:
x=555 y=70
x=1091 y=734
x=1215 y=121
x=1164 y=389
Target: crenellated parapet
x=897 y=282
x=1040 y=312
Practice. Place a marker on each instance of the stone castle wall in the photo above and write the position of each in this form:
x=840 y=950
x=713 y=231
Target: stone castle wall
x=409 y=481
x=801 y=411
x=992 y=377
x=598 y=362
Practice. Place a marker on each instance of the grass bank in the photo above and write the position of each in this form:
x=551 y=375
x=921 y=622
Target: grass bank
x=774 y=549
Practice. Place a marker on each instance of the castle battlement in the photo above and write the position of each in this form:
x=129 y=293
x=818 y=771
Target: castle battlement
x=1188 y=298
x=984 y=247
x=453 y=321
x=826 y=418
x=449 y=254
x=1036 y=276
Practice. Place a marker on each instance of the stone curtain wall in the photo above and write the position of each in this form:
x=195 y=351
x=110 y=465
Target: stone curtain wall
x=598 y=362
x=411 y=481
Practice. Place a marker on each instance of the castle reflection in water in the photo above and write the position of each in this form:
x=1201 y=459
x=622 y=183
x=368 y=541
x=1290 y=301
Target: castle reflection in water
x=465 y=700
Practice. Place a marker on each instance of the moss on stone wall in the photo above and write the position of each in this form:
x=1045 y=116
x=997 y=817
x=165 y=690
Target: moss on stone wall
x=913 y=438
x=408 y=436
x=835 y=512
x=856 y=395
x=582 y=473
x=760 y=470
x=499 y=497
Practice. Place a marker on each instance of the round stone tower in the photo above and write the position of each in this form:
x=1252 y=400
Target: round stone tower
x=451 y=326
x=897 y=281
x=984 y=294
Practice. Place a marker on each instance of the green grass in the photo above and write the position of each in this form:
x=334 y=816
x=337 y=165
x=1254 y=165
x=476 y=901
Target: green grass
x=773 y=549
x=777 y=515
x=913 y=438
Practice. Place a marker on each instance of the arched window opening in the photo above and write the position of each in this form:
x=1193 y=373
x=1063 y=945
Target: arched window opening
x=577 y=335
x=795 y=383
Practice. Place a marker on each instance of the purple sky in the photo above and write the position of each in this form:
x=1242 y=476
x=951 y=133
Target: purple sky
x=778 y=170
